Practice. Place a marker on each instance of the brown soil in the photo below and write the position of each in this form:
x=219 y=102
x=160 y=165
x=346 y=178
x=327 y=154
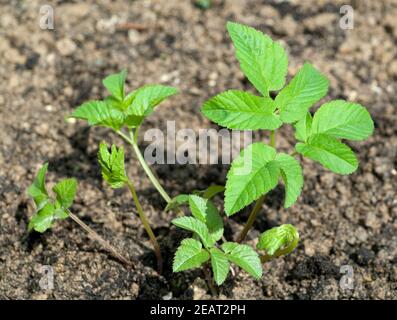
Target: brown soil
x=343 y=220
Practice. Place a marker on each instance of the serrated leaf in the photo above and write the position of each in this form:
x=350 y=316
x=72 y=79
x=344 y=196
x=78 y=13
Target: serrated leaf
x=252 y=174
x=262 y=60
x=305 y=89
x=100 y=113
x=112 y=165
x=198 y=207
x=220 y=265
x=115 y=84
x=343 y=120
x=147 y=97
x=177 y=201
x=37 y=189
x=189 y=255
x=278 y=238
x=330 y=152
x=303 y=127
x=247 y=259
x=65 y=191
x=196 y=226
x=42 y=219
x=214 y=221
x=291 y=173
x=241 y=110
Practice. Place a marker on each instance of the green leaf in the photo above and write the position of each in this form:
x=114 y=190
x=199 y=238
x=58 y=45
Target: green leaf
x=212 y=191
x=252 y=174
x=229 y=246
x=330 y=152
x=196 y=226
x=42 y=219
x=220 y=265
x=214 y=221
x=241 y=110
x=37 y=189
x=177 y=201
x=198 y=207
x=262 y=60
x=100 y=113
x=65 y=191
x=189 y=255
x=112 y=165
x=246 y=258
x=305 y=89
x=147 y=97
x=115 y=84
x=303 y=127
x=291 y=173
x=280 y=240
x=343 y=120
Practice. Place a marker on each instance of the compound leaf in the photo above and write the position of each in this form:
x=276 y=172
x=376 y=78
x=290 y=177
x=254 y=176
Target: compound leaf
x=281 y=240
x=112 y=165
x=115 y=84
x=343 y=120
x=291 y=173
x=189 y=255
x=252 y=174
x=330 y=152
x=262 y=60
x=246 y=258
x=198 y=227
x=65 y=191
x=305 y=89
x=220 y=265
x=235 y=109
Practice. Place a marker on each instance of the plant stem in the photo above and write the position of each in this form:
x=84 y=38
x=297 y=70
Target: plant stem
x=210 y=281
x=98 y=238
x=147 y=227
x=258 y=203
x=149 y=173
x=251 y=218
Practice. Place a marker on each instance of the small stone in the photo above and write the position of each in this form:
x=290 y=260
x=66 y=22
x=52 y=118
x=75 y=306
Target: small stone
x=49 y=108
x=392 y=69
x=66 y=47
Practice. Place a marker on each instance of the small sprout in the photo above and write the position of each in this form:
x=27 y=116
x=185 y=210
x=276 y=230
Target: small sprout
x=48 y=210
x=203 y=4
x=278 y=241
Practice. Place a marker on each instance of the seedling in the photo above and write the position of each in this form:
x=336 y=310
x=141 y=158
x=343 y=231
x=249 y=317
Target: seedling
x=48 y=210
x=124 y=114
x=265 y=64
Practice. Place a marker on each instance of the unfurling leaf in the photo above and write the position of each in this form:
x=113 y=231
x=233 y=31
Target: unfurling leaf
x=37 y=189
x=254 y=173
x=262 y=60
x=279 y=240
x=189 y=255
x=65 y=191
x=112 y=165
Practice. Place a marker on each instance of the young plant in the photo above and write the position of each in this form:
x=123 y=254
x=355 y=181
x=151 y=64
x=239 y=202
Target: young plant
x=124 y=114
x=206 y=224
x=265 y=64
x=48 y=209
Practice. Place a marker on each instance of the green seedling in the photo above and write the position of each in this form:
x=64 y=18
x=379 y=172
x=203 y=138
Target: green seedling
x=50 y=209
x=265 y=64
x=124 y=114
x=206 y=224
